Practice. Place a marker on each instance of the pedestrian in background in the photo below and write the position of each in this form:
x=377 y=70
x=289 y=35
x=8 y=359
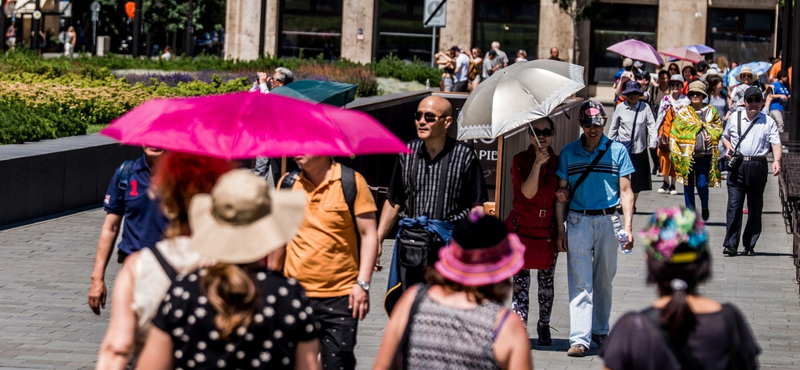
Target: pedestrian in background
x=694 y=147
x=717 y=100
x=501 y=55
x=682 y=329
x=435 y=186
x=746 y=78
x=657 y=93
x=475 y=68
x=69 y=42
x=146 y=276
x=461 y=71
x=673 y=69
x=522 y=56
x=458 y=322
x=237 y=313
x=748 y=177
x=634 y=126
x=127 y=197
x=491 y=64
x=594 y=173
x=11 y=36
x=333 y=253
x=537 y=218
x=667 y=111
x=448 y=63
x=167 y=54
x=780 y=95
x=281 y=77
x=554 y=53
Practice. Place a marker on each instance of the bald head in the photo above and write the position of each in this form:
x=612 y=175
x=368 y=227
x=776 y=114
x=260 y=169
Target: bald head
x=435 y=116
x=554 y=53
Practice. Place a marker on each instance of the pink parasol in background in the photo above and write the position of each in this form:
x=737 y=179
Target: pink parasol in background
x=683 y=54
x=247 y=125
x=637 y=50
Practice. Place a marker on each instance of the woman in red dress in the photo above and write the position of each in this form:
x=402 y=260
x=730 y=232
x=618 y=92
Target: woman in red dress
x=533 y=219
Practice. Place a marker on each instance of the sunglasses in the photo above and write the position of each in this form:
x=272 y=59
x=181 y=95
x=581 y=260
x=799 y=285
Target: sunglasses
x=693 y=94
x=544 y=133
x=753 y=99
x=429 y=117
x=587 y=124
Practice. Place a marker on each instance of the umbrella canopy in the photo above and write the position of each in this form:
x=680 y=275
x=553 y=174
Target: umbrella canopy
x=247 y=125
x=517 y=95
x=701 y=49
x=758 y=69
x=682 y=54
x=332 y=93
x=636 y=50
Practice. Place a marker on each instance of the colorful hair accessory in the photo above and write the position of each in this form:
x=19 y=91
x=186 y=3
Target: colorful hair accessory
x=670 y=228
x=678 y=284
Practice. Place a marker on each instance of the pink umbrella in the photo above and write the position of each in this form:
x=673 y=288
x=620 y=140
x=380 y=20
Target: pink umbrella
x=682 y=54
x=246 y=125
x=637 y=50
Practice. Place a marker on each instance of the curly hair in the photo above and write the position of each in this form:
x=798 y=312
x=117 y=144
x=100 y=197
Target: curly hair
x=179 y=177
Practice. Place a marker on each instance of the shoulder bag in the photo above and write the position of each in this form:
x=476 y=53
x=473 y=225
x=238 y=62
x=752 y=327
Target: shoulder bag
x=585 y=174
x=737 y=156
x=416 y=246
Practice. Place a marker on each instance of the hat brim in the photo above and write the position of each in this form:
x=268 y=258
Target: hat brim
x=228 y=243
x=481 y=274
x=739 y=76
x=630 y=91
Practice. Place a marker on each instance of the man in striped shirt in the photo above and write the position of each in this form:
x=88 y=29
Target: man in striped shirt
x=423 y=193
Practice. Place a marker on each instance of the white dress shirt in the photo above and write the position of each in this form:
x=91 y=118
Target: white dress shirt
x=759 y=140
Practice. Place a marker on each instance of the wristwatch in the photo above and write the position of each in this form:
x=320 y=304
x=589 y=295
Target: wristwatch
x=363 y=284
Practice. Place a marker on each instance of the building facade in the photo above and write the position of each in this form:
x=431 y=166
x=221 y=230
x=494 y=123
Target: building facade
x=361 y=30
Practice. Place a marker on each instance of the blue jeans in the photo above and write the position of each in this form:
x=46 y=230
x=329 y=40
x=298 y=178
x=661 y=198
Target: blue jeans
x=591 y=266
x=698 y=176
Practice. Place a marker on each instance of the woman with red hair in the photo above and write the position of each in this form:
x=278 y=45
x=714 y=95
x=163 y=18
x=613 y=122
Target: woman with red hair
x=146 y=275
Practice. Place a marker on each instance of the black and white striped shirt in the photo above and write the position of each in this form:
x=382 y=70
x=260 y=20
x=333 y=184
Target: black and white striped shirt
x=465 y=185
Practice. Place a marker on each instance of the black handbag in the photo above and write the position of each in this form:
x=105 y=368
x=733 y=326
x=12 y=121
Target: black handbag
x=416 y=246
x=737 y=157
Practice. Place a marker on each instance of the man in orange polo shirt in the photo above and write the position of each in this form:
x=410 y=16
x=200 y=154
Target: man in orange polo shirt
x=326 y=259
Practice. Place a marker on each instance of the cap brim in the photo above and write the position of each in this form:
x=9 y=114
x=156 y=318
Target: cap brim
x=248 y=243
x=481 y=274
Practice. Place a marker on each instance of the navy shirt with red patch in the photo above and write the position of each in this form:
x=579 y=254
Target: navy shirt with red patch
x=144 y=222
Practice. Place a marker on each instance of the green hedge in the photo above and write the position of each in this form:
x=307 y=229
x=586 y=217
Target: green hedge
x=20 y=123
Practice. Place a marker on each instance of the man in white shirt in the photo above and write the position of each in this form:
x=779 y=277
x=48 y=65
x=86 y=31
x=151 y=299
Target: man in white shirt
x=462 y=70
x=749 y=177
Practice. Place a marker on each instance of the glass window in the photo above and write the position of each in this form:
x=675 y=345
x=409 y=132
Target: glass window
x=512 y=23
x=401 y=31
x=741 y=35
x=611 y=24
x=310 y=28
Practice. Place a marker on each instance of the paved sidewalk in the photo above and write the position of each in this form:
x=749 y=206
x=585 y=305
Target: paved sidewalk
x=44 y=279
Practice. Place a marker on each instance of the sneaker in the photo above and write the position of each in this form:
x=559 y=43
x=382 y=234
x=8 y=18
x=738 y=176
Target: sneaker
x=672 y=190
x=729 y=251
x=664 y=188
x=749 y=253
x=706 y=213
x=576 y=350
x=544 y=335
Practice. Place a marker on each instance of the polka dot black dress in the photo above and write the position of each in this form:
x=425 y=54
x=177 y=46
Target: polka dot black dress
x=283 y=319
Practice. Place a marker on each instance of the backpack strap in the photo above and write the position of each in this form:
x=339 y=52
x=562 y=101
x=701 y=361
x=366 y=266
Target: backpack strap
x=402 y=348
x=171 y=273
x=588 y=170
x=289 y=180
x=681 y=351
x=125 y=174
x=350 y=192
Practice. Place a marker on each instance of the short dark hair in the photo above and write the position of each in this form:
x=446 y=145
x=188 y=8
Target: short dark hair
x=782 y=74
x=663 y=72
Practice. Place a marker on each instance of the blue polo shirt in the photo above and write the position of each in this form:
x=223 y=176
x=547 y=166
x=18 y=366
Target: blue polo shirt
x=780 y=89
x=600 y=190
x=144 y=222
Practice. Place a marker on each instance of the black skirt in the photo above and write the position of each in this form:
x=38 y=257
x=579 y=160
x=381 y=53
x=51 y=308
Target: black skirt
x=640 y=180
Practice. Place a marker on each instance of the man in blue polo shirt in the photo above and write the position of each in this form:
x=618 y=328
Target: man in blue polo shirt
x=591 y=241
x=144 y=222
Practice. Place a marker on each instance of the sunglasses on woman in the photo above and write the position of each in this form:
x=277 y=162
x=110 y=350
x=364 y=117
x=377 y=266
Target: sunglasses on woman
x=544 y=133
x=753 y=99
x=429 y=117
x=693 y=94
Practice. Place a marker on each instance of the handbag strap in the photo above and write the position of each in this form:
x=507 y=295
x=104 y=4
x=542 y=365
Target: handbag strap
x=739 y=129
x=629 y=147
x=402 y=347
x=168 y=269
x=681 y=352
x=589 y=169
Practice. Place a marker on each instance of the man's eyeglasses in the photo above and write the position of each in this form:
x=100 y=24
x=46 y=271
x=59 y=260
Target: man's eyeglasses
x=544 y=133
x=429 y=117
x=753 y=99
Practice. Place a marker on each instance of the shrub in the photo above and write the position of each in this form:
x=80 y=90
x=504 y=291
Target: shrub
x=20 y=122
x=392 y=66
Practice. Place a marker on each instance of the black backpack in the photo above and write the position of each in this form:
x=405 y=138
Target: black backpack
x=348 y=187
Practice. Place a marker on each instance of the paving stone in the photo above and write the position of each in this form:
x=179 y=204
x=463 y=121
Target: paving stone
x=44 y=279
